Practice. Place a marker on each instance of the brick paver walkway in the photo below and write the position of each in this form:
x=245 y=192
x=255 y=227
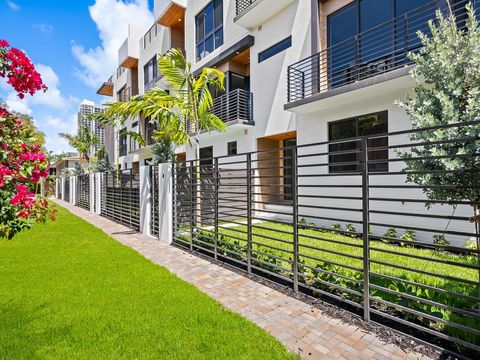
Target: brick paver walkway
x=304 y=329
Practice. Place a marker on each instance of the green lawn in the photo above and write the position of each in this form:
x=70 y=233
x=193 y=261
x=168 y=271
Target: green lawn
x=67 y=290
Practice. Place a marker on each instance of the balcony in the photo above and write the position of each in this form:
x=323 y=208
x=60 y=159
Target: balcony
x=106 y=89
x=126 y=94
x=379 y=53
x=128 y=53
x=235 y=107
x=252 y=13
x=170 y=13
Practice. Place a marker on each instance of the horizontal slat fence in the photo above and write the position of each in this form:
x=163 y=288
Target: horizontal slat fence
x=344 y=222
x=82 y=191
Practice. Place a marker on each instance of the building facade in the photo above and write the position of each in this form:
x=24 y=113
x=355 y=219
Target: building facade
x=297 y=72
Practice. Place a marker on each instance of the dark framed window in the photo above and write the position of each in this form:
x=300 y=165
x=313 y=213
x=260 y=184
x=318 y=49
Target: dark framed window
x=232 y=148
x=209 y=28
x=150 y=71
x=122 y=142
x=206 y=156
x=275 y=49
x=348 y=158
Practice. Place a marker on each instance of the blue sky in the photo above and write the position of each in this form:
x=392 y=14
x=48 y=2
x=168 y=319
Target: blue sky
x=73 y=44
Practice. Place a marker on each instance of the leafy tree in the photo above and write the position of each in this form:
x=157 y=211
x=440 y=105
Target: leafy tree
x=181 y=114
x=163 y=152
x=447 y=91
x=101 y=162
x=83 y=142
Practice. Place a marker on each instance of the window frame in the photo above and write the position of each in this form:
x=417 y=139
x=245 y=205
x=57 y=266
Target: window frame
x=354 y=168
x=282 y=46
x=212 y=33
x=152 y=62
x=232 y=148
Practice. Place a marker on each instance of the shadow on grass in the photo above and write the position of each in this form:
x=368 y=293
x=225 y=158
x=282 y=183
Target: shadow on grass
x=23 y=333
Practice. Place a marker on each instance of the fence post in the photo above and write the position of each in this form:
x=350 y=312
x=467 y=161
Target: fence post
x=56 y=187
x=249 y=213
x=98 y=193
x=145 y=200
x=293 y=153
x=165 y=202
x=91 y=192
x=215 y=237
x=365 y=224
x=193 y=189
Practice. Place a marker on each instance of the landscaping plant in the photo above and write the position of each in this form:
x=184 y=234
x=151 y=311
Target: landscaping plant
x=23 y=163
x=447 y=91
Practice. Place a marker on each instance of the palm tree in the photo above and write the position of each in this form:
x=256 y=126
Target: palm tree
x=83 y=142
x=181 y=114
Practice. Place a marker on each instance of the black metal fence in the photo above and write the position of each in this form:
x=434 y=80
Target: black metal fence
x=376 y=51
x=120 y=197
x=345 y=222
x=154 y=187
x=237 y=105
x=82 y=191
x=66 y=190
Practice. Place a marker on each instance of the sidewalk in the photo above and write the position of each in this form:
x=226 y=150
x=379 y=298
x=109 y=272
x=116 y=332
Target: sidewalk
x=304 y=329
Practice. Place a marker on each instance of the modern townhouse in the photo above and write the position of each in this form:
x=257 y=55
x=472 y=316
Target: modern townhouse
x=298 y=72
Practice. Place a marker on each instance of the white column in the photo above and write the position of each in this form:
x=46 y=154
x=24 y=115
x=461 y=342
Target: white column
x=98 y=195
x=73 y=181
x=145 y=200
x=91 y=193
x=165 y=198
x=63 y=189
x=56 y=187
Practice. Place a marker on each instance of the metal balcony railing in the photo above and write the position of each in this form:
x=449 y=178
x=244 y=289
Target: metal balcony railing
x=377 y=51
x=242 y=5
x=237 y=105
x=126 y=94
x=120 y=71
x=150 y=35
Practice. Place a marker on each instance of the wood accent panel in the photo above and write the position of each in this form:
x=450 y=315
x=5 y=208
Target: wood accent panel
x=106 y=89
x=243 y=57
x=129 y=63
x=173 y=17
x=181 y=157
x=282 y=136
x=177 y=38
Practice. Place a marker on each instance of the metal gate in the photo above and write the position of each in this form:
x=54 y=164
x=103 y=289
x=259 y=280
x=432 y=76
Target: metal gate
x=121 y=197
x=343 y=221
x=82 y=191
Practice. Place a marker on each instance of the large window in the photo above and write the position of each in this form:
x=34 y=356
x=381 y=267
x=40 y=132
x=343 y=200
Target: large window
x=348 y=159
x=150 y=71
x=351 y=52
x=209 y=28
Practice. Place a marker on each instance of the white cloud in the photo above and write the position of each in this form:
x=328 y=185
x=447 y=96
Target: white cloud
x=14 y=103
x=52 y=98
x=44 y=28
x=13 y=6
x=57 y=144
x=112 y=18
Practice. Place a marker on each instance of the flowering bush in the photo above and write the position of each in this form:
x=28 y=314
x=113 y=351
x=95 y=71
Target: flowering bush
x=23 y=163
